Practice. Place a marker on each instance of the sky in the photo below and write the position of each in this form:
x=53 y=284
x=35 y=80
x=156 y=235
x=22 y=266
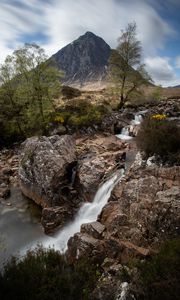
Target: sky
x=54 y=23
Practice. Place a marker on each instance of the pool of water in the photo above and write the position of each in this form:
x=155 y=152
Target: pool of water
x=19 y=224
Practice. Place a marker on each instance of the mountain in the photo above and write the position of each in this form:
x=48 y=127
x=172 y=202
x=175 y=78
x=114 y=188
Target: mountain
x=176 y=86
x=84 y=60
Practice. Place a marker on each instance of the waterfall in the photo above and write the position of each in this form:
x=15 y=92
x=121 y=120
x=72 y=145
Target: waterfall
x=124 y=135
x=88 y=212
x=137 y=119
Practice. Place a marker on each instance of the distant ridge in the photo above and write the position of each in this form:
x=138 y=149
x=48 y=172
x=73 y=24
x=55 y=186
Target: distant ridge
x=84 y=60
x=174 y=87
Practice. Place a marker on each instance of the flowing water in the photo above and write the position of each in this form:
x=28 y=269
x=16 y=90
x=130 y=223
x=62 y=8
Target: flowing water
x=20 y=228
x=19 y=224
x=87 y=213
x=124 y=135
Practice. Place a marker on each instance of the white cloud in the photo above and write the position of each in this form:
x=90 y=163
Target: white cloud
x=63 y=21
x=177 y=62
x=161 y=71
x=66 y=20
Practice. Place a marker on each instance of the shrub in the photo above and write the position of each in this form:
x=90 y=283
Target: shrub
x=159 y=136
x=45 y=274
x=80 y=113
x=160 y=277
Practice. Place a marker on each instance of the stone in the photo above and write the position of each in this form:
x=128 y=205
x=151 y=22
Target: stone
x=45 y=168
x=97 y=158
x=4 y=192
x=94 y=229
x=53 y=217
x=84 y=245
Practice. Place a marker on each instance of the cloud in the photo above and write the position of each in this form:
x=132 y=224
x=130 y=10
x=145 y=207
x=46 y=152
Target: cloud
x=66 y=20
x=57 y=23
x=161 y=71
x=16 y=21
x=177 y=62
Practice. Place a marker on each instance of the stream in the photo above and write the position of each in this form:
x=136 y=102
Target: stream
x=20 y=227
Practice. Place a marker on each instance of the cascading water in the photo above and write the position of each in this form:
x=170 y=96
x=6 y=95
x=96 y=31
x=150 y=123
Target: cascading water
x=137 y=120
x=87 y=213
x=124 y=135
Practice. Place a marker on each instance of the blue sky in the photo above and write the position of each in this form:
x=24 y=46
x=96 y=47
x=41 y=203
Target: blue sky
x=55 y=23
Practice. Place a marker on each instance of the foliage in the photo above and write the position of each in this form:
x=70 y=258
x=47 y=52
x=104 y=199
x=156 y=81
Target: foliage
x=159 y=136
x=123 y=60
x=45 y=274
x=159 y=117
x=157 y=93
x=28 y=86
x=160 y=276
x=80 y=113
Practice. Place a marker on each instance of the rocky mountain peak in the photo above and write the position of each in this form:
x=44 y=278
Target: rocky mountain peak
x=83 y=60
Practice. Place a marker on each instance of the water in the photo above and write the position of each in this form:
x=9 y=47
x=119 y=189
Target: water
x=137 y=119
x=124 y=135
x=19 y=224
x=87 y=213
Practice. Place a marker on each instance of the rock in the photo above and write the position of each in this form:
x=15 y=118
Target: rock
x=45 y=169
x=131 y=250
x=53 y=217
x=83 y=245
x=94 y=229
x=106 y=289
x=98 y=158
x=4 y=192
x=59 y=130
x=70 y=92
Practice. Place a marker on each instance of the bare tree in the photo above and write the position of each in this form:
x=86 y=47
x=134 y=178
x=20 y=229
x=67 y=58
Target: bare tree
x=126 y=69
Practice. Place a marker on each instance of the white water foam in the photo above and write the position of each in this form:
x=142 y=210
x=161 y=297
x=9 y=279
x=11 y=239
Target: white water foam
x=124 y=135
x=87 y=213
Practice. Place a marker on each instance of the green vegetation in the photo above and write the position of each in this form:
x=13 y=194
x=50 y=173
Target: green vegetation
x=160 y=277
x=45 y=274
x=123 y=60
x=80 y=113
x=28 y=86
x=159 y=136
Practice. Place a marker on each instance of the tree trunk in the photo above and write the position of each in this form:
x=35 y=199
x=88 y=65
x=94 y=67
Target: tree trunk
x=121 y=104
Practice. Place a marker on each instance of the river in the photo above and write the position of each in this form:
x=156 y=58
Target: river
x=20 y=227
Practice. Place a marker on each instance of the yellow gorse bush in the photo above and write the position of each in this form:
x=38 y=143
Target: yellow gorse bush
x=59 y=119
x=158 y=117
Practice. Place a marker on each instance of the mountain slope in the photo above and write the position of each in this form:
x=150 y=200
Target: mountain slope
x=84 y=60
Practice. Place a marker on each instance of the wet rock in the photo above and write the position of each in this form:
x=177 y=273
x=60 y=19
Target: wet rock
x=84 y=245
x=4 y=192
x=94 y=229
x=45 y=167
x=53 y=217
x=97 y=159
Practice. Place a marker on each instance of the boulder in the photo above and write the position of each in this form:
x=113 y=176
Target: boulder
x=53 y=217
x=84 y=245
x=95 y=229
x=98 y=158
x=46 y=167
x=70 y=92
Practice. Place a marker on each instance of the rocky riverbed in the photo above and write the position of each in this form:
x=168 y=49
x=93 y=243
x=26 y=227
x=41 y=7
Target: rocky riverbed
x=61 y=173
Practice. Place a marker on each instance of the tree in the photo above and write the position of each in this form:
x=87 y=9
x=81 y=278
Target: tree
x=29 y=84
x=126 y=69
